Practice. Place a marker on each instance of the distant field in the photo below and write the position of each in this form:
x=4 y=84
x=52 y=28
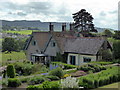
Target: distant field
x=14 y=56
x=22 y=32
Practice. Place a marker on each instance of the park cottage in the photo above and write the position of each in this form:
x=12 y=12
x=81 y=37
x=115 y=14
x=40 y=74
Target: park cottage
x=43 y=46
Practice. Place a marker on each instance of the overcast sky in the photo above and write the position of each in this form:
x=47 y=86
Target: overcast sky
x=105 y=12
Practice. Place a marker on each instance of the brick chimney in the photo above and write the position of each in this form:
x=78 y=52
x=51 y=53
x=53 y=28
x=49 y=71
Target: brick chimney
x=71 y=26
x=63 y=27
x=51 y=27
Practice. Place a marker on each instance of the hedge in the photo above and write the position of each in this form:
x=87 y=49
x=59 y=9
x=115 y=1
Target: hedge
x=10 y=71
x=99 y=79
x=13 y=82
x=66 y=66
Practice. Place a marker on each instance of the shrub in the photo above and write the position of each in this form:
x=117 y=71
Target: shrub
x=13 y=82
x=78 y=73
x=36 y=80
x=10 y=71
x=103 y=78
x=57 y=72
x=33 y=87
x=54 y=85
x=46 y=84
x=66 y=75
x=69 y=82
x=52 y=77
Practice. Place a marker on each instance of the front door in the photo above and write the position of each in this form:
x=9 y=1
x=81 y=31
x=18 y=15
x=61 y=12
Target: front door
x=72 y=60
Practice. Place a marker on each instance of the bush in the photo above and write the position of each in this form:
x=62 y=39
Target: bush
x=78 y=73
x=10 y=71
x=69 y=82
x=36 y=80
x=33 y=87
x=52 y=77
x=57 y=72
x=13 y=82
x=103 y=78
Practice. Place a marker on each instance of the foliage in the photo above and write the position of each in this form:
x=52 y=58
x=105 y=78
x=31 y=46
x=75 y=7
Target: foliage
x=10 y=44
x=59 y=57
x=13 y=82
x=99 y=79
x=66 y=66
x=10 y=71
x=57 y=72
x=52 y=77
x=116 y=61
x=23 y=68
x=36 y=80
x=83 y=21
x=46 y=84
x=91 y=67
x=69 y=82
x=33 y=87
x=108 y=33
x=116 y=50
x=117 y=35
x=107 y=55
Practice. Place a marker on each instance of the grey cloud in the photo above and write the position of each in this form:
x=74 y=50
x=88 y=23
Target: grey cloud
x=102 y=13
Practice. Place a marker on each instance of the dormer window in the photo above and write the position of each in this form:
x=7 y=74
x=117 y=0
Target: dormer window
x=53 y=44
x=33 y=43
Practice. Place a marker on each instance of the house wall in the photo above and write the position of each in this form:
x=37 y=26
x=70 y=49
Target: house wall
x=79 y=58
x=50 y=50
x=32 y=49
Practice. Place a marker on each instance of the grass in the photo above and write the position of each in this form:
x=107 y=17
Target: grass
x=113 y=85
x=22 y=32
x=14 y=56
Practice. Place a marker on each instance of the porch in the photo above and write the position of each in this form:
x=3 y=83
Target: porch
x=39 y=58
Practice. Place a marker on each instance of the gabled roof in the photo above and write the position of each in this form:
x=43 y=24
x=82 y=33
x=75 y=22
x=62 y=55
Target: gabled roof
x=82 y=45
x=42 y=38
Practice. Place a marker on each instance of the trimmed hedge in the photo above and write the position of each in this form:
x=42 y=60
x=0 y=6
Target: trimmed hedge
x=45 y=85
x=10 y=71
x=66 y=66
x=91 y=67
x=102 y=63
x=102 y=78
x=13 y=82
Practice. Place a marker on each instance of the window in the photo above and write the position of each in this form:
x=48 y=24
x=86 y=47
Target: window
x=53 y=44
x=34 y=43
x=72 y=60
x=86 y=59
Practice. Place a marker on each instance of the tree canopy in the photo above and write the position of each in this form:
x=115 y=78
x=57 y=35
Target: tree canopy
x=10 y=44
x=83 y=21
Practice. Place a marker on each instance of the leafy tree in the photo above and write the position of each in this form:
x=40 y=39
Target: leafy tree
x=108 y=33
x=107 y=55
x=10 y=71
x=116 y=50
x=83 y=21
x=117 y=35
x=10 y=44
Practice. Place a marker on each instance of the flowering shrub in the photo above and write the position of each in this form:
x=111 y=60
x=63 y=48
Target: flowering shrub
x=69 y=82
x=66 y=75
x=78 y=73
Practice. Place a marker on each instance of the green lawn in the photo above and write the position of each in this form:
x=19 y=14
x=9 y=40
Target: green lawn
x=22 y=32
x=114 y=85
x=14 y=56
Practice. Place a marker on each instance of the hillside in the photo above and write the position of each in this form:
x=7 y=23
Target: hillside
x=40 y=25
